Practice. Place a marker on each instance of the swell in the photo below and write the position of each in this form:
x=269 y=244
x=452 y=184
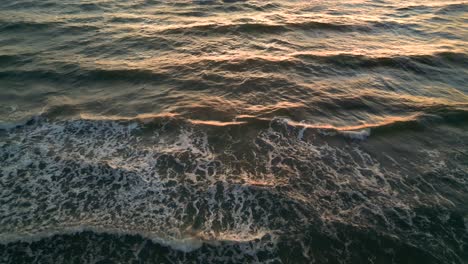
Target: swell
x=422 y=64
x=306 y=59
x=409 y=62
x=438 y=9
x=392 y=125
x=270 y=28
x=426 y=118
x=75 y=73
x=209 y=28
x=256 y=27
x=36 y=26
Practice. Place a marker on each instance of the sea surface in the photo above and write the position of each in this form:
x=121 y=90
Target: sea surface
x=218 y=131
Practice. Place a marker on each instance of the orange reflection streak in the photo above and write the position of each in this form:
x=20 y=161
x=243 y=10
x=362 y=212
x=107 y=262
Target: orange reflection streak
x=216 y=123
x=142 y=117
x=385 y=122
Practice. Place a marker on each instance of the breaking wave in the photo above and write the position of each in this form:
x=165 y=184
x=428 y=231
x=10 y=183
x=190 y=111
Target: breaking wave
x=179 y=187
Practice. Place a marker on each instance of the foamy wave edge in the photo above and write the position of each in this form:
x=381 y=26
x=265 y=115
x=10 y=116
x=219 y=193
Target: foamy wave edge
x=184 y=244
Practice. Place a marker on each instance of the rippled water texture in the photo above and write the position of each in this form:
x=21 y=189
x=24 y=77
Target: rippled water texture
x=233 y=131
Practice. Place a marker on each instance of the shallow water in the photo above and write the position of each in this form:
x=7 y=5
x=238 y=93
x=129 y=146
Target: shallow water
x=233 y=131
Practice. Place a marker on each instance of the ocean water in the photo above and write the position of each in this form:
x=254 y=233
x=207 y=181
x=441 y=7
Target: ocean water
x=217 y=131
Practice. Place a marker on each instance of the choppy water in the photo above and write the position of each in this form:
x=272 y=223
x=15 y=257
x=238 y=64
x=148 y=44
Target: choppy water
x=233 y=131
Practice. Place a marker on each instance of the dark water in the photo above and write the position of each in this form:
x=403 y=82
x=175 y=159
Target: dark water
x=233 y=131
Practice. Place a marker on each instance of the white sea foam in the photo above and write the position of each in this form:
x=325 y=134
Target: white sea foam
x=176 y=189
x=359 y=134
x=73 y=158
